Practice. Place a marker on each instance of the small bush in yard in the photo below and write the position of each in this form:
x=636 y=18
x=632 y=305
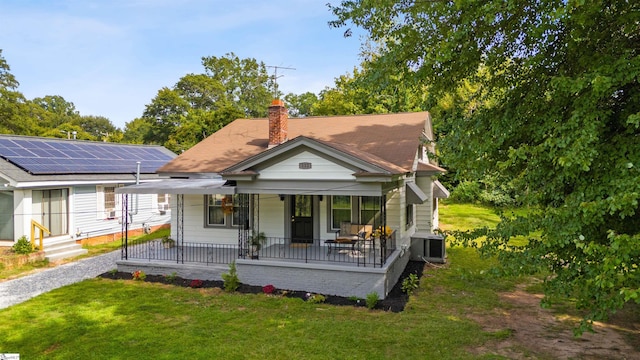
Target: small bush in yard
x=231 y=281
x=195 y=283
x=139 y=275
x=372 y=300
x=22 y=246
x=171 y=277
x=410 y=283
x=268 y=289
x=315 y=298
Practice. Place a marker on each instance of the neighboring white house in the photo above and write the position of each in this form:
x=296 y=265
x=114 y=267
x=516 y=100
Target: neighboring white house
x=299 y=181
x=68 y=187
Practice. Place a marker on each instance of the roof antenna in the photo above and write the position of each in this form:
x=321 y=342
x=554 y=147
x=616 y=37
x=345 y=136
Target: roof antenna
x=275 y=78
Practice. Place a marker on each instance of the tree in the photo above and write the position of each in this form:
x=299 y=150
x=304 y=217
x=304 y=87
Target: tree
x=366 y=91
x=57 y=111
x=14 y=109
x=200 y=104
x=245 y=82
x=300 y=105
x=135 y=131
x=99 y=126
x=164 y=115
x=558 y=115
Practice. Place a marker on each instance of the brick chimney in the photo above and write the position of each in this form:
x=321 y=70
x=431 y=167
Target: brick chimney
x=278 y=123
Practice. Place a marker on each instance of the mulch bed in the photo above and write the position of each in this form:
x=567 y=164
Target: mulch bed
x=394 y=302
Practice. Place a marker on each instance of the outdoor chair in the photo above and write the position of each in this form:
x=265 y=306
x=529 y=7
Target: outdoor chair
x=350 y=235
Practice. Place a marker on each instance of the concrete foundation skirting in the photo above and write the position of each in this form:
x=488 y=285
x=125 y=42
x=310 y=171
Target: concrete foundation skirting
x=185 y=271
x=325 y=278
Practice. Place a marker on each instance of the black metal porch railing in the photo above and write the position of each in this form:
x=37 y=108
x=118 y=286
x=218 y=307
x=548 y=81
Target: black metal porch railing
x=372 y=253
x=367 y=253
x=202 y=253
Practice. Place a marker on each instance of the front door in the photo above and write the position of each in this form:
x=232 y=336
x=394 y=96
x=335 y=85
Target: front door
x=302 y=219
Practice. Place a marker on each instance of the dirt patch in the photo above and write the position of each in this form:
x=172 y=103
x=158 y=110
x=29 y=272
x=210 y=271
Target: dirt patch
x=533 y=332
x=394 y=302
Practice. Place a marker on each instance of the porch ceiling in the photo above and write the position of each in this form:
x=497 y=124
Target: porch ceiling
x=180 y=186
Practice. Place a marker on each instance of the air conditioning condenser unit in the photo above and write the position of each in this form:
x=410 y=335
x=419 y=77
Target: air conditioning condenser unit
x=428 y=247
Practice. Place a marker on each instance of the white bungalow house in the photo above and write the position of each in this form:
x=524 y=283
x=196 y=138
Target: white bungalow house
x=67 y=187
x=299 y=182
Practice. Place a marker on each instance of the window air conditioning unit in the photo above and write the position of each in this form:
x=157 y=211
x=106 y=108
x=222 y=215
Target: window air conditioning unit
x=163 y=208
x=428 y=247
x=111 y=214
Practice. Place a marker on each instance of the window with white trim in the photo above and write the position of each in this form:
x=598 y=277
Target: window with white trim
x=221 y=210
x=340 y=210
x=163 y=203
x=108 y=202
x=370 y=210
x=408 y=222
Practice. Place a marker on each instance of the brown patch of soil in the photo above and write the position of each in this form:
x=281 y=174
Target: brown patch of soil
x=541 y=333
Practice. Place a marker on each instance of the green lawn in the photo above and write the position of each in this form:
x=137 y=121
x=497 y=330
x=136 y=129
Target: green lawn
x=105 y=319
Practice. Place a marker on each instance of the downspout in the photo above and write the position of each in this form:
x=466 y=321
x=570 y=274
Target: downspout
x=135 y=212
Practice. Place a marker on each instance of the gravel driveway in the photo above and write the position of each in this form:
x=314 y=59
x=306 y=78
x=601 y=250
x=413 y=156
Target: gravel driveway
x=24 y=288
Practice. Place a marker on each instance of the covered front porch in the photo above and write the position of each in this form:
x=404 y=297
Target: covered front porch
x=294 y=261
x=366 y=253
x=343 y=272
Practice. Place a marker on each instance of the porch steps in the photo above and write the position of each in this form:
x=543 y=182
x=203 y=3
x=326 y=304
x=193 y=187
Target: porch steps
x=62 y=250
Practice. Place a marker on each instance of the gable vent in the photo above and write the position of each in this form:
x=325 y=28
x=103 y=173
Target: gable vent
x=304 y=165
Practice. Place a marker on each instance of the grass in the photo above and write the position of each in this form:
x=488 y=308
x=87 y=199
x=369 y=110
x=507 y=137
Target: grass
x=92 y=250
x=105 y=319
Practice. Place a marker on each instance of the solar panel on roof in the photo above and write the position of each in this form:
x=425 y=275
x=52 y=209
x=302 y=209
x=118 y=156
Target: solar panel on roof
x=53 y=156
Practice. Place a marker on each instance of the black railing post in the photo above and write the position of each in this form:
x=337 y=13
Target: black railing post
x=180 y=229
x=124 y=234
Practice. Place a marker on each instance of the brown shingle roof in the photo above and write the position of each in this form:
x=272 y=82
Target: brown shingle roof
x=391 y=138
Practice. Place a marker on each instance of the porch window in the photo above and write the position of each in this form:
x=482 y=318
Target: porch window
x=222 y=210
x=340 y=210
x=370 y=210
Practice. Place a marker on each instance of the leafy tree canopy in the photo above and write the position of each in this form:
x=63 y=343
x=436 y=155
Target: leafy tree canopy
x=200 y=104
x=552 y=104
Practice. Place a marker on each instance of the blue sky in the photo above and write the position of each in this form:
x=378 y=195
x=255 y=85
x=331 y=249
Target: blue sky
x=111 y=57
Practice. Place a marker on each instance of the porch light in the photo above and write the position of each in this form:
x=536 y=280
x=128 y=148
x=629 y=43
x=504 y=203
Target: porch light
x=281 y=197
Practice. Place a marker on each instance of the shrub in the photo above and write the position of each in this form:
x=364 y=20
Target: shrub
x=268 y=289
x=231 y=281
x=195 y=283
x=171 y=277
x=466 y=192
x=410 y=283
x=23 y=246
x=315 y=298
x=139 y=275
x=372 y=300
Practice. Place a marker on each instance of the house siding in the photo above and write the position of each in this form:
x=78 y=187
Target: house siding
x=88 y=221
x=320 y=169
x=194 y=229
x=271 y=217
x=424 y=212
